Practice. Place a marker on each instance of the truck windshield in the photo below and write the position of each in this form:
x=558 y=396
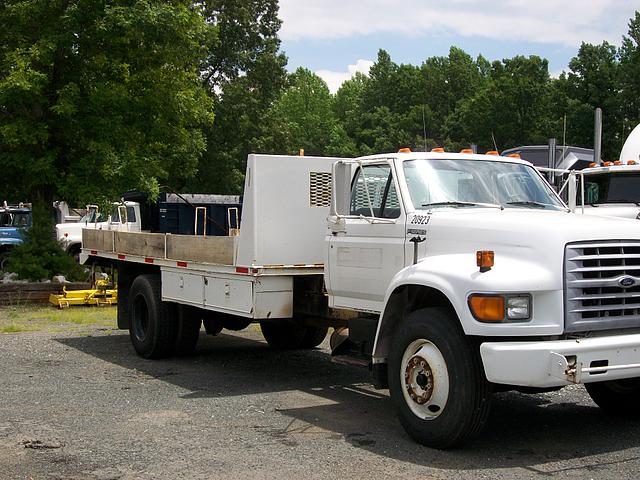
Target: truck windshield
x=15 y=219
x=468 y=183
x=91 y=216
x=611 y=188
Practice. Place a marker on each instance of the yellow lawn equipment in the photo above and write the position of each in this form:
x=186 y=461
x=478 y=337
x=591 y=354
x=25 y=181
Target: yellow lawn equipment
x=100 y=295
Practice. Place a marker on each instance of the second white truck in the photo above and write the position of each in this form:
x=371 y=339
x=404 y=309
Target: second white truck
x=449 y=275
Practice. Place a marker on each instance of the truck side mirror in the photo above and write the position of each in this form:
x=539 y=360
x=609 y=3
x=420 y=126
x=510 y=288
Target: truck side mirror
x=572 y=191
x=341 y=189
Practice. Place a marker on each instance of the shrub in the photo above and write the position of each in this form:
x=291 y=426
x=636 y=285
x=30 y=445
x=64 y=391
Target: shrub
x=41 y=256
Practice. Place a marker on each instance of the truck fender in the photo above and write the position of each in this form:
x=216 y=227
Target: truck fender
x=410 y=289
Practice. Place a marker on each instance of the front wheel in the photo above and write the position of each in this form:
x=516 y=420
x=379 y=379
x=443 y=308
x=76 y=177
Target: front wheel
x=436 y=380
x=617 y=397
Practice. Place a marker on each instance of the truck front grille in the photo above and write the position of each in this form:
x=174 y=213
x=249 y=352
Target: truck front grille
x=602 y=288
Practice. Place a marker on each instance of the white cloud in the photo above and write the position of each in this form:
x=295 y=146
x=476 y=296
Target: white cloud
x=564 y=23
x=335 y=79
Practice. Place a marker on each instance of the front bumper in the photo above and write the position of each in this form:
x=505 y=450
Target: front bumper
x=562 y=362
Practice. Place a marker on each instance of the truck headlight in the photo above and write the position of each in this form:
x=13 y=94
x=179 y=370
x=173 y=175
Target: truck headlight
x=519 y=308
x=490 y=308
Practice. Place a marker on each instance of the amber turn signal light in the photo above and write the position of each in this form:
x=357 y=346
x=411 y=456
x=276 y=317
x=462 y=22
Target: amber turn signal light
x=484 y=259
x=487 y=308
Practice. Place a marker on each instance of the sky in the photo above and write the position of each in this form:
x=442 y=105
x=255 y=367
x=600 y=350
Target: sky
x=336 y=38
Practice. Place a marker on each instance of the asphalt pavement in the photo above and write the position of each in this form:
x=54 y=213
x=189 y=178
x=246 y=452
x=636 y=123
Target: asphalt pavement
x=78 y=406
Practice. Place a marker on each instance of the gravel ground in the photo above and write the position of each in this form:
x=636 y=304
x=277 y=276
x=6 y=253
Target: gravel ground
x=84 y=406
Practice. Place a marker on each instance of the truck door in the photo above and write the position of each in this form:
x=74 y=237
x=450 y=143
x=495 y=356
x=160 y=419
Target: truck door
x=370 y=250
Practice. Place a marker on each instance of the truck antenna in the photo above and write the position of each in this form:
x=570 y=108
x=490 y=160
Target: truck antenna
x=564 y=137
x=495 y=145
x=424 y=129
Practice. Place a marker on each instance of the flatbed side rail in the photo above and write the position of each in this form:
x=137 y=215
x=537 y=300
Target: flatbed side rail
x=216 y=250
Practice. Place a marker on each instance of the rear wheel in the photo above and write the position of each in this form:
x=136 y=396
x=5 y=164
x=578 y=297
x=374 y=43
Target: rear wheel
x=151 y=322
x=287 y=334
x=436 y=380
x=188 y=322
x=617 y=397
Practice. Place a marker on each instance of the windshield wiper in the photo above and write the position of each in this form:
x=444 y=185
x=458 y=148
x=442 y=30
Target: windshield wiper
x=529 y=203
x=456 y=203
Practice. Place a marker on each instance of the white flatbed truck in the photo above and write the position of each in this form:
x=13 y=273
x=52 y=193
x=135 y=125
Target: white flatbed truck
x=450 y=275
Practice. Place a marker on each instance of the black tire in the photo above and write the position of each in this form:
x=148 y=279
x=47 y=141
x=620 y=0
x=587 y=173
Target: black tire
x=4 y=260
x=188 y=322
x=151 y=322
x=74 y=251
x=124 y=282
x=285 y=334
x=453 y=402
x=212 y=324
x=619 y=398
x=313 y=337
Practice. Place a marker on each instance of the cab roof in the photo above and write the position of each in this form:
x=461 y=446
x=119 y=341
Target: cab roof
x=445 y=156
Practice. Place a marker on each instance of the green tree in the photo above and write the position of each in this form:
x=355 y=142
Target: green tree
x=593 y=81
x=630 y=76
x=511 y=107
x=100 y=97
x=40 y=256
x=244 y=74
x=306 y=107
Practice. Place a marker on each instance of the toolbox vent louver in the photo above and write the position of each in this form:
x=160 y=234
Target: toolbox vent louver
x=319 y=189
x=602 y=289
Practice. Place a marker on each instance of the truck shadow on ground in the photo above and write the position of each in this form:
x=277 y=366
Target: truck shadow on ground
x=545 y=434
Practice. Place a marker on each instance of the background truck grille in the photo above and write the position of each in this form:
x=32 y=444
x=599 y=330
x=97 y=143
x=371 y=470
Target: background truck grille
x=602 y=289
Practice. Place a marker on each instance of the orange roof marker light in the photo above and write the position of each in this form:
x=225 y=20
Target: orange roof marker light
x=492 y=152
x=607 y=164
x=514 y=155
x=404 y=150
x=466 y=150
x=593 y=164
x=631 y=162
x=617 y=162
x=437 y=150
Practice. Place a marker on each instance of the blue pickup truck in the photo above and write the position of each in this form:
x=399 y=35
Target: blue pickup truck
x=14 y=220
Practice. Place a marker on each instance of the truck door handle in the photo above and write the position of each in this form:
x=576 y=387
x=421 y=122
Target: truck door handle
x=416 y=240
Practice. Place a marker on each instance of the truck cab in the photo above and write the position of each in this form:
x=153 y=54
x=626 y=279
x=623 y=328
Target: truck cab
x=125 y=216
x=14 y=220
x=473 y=267
x=612 y=190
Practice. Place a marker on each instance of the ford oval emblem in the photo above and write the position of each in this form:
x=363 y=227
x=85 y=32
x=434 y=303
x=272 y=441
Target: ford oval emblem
x=627 y=282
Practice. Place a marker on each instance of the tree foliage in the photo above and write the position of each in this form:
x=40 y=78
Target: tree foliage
x=40 y=256
x=100 y=97
x=244 y=73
